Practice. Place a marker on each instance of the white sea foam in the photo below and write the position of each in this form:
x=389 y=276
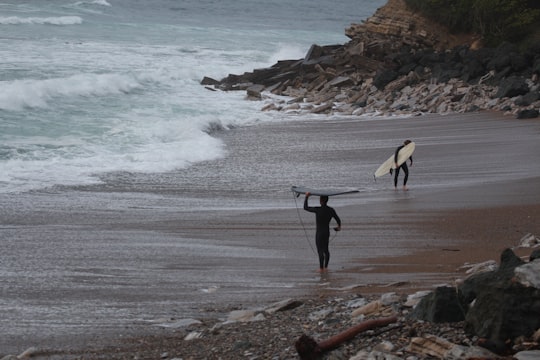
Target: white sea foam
x=288 y=52
x=61 y=20
x=19 y=94
x=94 y=2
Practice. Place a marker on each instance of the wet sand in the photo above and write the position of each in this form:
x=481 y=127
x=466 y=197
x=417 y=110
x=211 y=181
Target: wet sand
x=419 y=240
x=84 y=266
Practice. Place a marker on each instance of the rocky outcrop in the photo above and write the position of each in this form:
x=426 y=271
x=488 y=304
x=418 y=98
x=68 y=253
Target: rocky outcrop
x=499 y=306
x=397 y=62
x=440 y=306
x=506 y=302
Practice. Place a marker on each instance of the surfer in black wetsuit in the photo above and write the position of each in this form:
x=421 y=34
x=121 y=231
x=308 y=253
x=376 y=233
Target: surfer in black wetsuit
x=323 y=216
x=402 y=166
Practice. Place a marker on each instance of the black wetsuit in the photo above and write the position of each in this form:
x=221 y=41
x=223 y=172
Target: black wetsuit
x=323 y=216
x=402 y=166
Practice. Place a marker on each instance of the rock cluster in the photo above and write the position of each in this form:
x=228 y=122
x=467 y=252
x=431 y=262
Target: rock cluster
x=500 y=306
x=398 y=63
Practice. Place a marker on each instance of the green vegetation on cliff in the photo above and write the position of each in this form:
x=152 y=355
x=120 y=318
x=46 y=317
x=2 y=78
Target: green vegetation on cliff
x=515 y=21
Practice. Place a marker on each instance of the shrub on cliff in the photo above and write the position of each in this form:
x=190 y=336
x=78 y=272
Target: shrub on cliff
x=496 y=20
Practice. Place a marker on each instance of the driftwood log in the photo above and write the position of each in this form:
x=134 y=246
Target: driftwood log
x=309 y=349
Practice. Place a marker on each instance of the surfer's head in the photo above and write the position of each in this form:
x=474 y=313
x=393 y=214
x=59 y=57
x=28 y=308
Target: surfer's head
x=407 y=142
x=324 y=200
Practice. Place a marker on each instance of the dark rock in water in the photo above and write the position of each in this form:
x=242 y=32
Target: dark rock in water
x=535 y=255
x=440 y=306
x=254 y=91
x=528 y=114
x=209 y=81
x=503 y=308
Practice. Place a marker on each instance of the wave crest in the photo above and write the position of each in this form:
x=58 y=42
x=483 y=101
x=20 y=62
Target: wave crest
x=60 y=20
x=20 y=94
x=94 y=2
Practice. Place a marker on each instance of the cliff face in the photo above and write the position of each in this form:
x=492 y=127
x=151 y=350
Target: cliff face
x=395 y=22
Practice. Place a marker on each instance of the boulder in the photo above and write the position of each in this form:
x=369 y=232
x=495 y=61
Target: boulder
x=384 y=77
x=209 y=81
x=255 y=91
x=529 y=274
x=498 y=306
x=504 y=305
x=528 y=98
x=528 y=114
x=512 y=86
x=474 y=285
x=442 y=305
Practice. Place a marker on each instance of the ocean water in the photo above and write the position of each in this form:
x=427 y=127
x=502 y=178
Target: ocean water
x=108 y=149
x=94 y=87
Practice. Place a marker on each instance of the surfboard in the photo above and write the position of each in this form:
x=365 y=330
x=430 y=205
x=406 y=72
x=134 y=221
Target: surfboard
x=323 y=192
x=403 y=155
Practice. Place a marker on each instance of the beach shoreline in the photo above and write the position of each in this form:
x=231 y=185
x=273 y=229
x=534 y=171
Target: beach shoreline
x=246 y=243
x=458 y=239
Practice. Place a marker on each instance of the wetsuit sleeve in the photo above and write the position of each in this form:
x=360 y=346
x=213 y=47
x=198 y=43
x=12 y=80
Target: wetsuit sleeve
x=335 y=215
x=307 y=207
x=410 y=159
x=397 y=152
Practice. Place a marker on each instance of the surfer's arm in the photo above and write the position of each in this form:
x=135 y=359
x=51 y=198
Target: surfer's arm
x=410 y=160
x=338 y=220
x=396 y=154
x=306 y=205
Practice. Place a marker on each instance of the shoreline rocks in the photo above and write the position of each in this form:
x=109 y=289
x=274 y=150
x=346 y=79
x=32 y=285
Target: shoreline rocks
x=455 y=326
x=501 y=306
x=397 y=64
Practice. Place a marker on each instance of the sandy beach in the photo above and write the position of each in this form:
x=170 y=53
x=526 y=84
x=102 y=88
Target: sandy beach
x=229 y=234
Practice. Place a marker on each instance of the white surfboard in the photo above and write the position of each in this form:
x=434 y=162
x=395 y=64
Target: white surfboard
x=404 y=155
x=323 y=192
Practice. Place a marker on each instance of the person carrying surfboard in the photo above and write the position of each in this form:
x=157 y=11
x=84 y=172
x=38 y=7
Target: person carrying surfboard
x=402 y=166
x=323 y=216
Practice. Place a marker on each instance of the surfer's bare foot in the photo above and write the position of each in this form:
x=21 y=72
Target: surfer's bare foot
x=405 y=188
